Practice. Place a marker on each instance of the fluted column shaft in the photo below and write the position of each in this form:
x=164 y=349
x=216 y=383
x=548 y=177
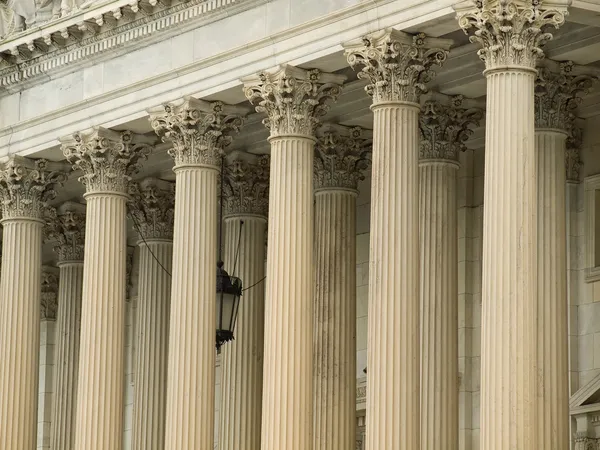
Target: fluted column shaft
x=508 y=353
x=439 y=304
x=242 y=359
x=20 y=332
x=68 y=324
x=393 y=336
x=191 y=366
x=552 y=305
x=288 y=395
x=335 y=320
x=154 y=293
x=100 y=385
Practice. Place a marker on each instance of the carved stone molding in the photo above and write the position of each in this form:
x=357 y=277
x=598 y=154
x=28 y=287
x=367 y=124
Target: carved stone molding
x=293 y=99
x=511 y=32
x=573 y=162
x=66 y=228
x=397 y=65
x=342 y=155
x=49 y=294
x=27 y=185
x=152 y=207
x=246 y=185
x=107 y=158
x=558 y=93
x=445 y=124
x=199 y=130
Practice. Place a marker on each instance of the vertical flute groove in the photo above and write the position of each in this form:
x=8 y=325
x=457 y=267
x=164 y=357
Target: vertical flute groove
x=508 y=354
x=393 y=387
x=287 y=395
x=67 y=355
x=100 y=401
x=192 y=338
x=154 y=293
x=20 y=332
x=242 y=358
x=439 y=305
x=552 y=306
x=335 y=320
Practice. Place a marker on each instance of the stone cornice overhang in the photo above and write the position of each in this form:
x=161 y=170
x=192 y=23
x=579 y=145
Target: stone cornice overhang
x=100 y=33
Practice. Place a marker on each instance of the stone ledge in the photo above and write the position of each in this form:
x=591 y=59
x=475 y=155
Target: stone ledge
x=64 y=45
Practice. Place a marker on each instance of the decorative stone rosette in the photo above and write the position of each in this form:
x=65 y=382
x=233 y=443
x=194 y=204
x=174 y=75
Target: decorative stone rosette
x=397 y=65
x=573 y=162
x=445 y=126
x=199 y=130
x=246 y=186
x=49 y=294
x=342 y=155
x=558 y=93
x=27 y=186
x=152 y=208
x=511 y=32
x=293 y=99
x=66 y=227
x=107 y=158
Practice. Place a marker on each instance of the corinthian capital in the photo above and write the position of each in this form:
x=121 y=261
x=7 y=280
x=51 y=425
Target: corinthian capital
x=199 y=130
x=559 y=88
x=246 y=185
x=397 y=65
x=445 y=124
x=342 y=155
x=293 y=99
x=67 y=229
x=511 y=32
x=152 y=208
x=573 y=163
x=49 y=288
x=107 y=158
x=26 y=187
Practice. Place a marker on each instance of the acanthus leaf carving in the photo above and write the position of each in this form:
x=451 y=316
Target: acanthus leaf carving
x=27 y=187
x=152 y=208
x=444 y=128
x=510 y=32
x=293 y=99
x=49 y=293
x=246 y=186
x=200 y=131
x=397 y=65
x=558 y=93
x=66 y=228
x=108 y=159
x=342 y=155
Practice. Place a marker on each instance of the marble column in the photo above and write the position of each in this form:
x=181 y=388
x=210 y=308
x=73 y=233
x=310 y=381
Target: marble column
x=445 y=124
x=48 y=309
x=107 y=159
x=341 y=157
x=67 y=231
x=395 y=65
x=558 y=91
x=510 y=34
x=25 y=188
x=246 y=204
x=294 y=100
x=152 y=211
x=199 y=132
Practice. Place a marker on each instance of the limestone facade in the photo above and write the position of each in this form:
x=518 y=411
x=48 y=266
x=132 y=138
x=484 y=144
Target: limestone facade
x=409 y=194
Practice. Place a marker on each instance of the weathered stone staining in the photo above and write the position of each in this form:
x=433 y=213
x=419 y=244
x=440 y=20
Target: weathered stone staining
x=397 y=67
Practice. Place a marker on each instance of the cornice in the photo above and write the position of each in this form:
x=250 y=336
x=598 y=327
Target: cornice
x=99 y=33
